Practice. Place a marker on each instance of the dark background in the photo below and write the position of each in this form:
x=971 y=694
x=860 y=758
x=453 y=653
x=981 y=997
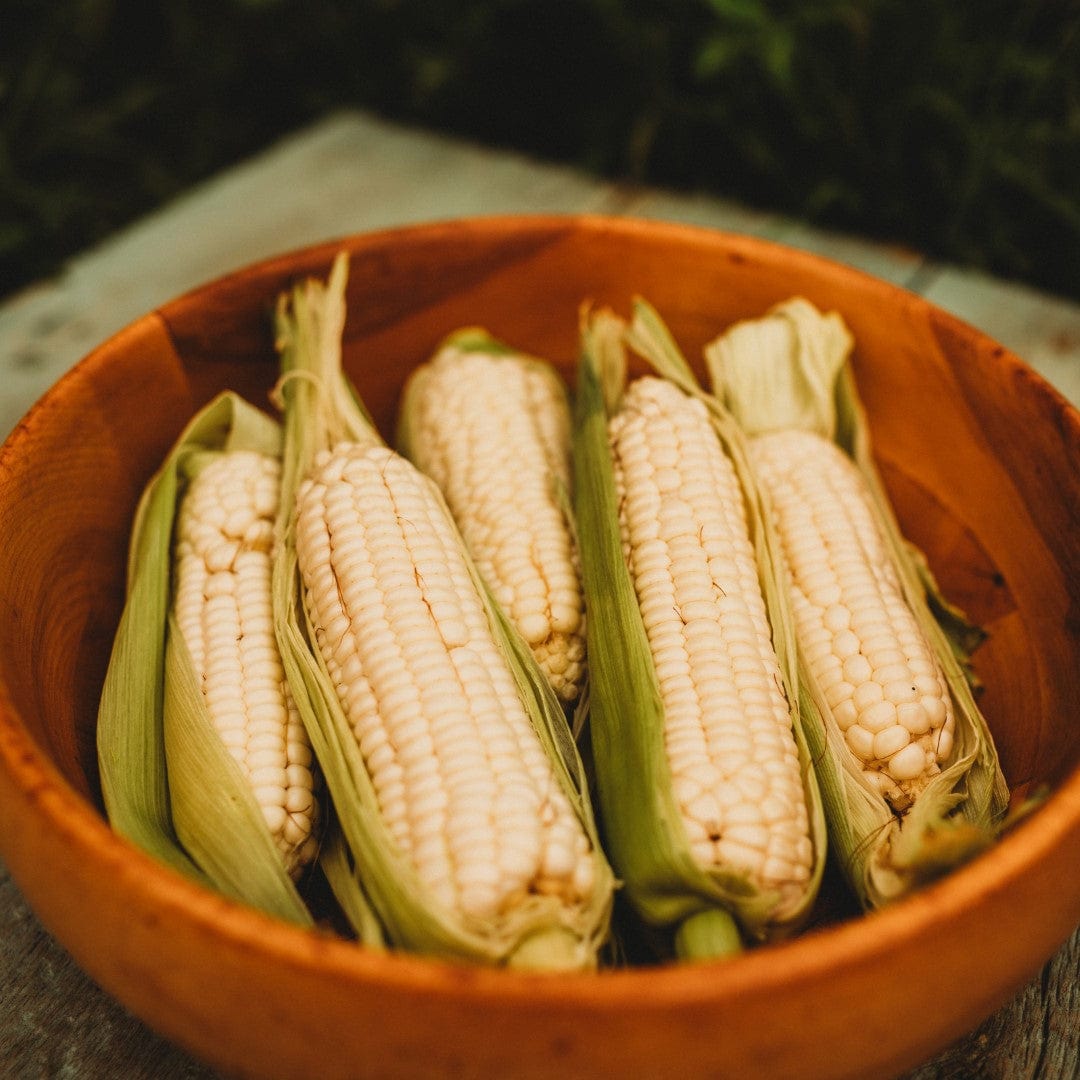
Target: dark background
x=951 y=127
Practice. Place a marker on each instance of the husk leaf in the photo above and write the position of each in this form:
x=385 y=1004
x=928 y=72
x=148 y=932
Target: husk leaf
x=791 y=368
x=168 y=783
x=322 y=410
x=339 y=869
x=214 y=811
x=642 y=825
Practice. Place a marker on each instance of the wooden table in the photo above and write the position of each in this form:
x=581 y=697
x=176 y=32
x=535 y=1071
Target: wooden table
x=350 y=173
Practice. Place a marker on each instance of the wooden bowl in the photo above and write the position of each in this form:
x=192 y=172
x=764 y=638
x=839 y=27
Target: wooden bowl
x=981 y=457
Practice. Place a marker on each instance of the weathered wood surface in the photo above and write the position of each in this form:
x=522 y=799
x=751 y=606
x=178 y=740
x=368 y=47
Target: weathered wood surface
x=352 y=173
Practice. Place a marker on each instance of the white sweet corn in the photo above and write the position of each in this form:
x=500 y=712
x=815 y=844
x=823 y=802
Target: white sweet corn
x=909 y=775
x=492 y=428
x=463 y=784
x=727 y=724
x=223 y=552
x=860 y=637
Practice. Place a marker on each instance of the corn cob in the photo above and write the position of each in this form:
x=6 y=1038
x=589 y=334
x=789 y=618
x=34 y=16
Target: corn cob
x=202 y=763
x=861 y=640
x=727 y=725
x=709 y=807
x=222 y=556
x=491 y=427
x=463 y=784
x=907 y=743
x=447 y=755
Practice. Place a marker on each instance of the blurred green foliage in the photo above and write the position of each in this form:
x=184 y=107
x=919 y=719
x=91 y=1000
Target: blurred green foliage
x=951 y=127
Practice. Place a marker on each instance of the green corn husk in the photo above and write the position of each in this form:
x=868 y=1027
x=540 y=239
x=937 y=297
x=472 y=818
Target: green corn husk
x=377 y=886
x=790 y=369
x=709 y=912
x=169 y=784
